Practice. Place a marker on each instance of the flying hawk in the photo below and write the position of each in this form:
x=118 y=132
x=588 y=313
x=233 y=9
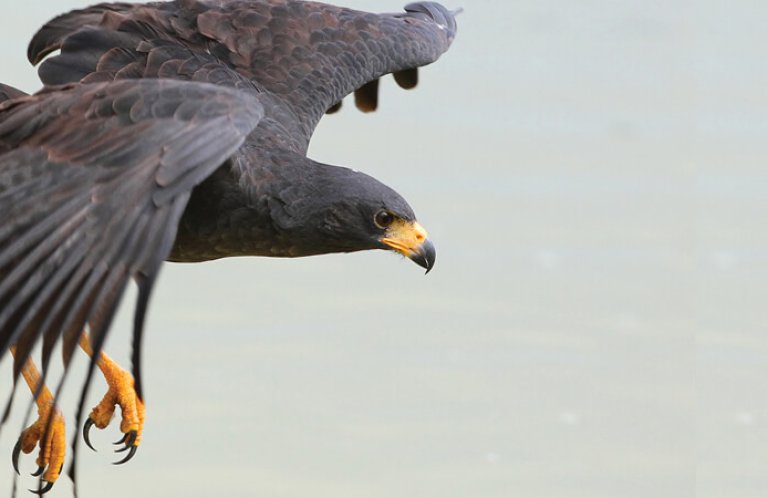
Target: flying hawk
x=178 y=131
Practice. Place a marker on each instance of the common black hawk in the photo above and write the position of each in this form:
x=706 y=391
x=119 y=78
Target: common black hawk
x=178 y=131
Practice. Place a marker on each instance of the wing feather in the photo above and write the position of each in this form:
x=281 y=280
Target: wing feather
x=307 y=55
x=102 y=208
x=8 y=92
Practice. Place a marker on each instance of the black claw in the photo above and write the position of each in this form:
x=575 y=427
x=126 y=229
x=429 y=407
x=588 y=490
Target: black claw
x=87 y=431
x=121 y=440
x=44 y=489
x=15 y=456
x=128 y=456
x=130 y=438
x=38 y=472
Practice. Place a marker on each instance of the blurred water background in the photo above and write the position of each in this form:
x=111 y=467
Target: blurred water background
x=593 y=175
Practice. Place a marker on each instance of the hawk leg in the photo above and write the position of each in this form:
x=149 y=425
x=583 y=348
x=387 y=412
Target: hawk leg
x=48 y=431
x=121 y=392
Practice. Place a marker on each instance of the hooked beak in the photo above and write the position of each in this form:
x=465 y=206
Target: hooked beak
x=410 y=239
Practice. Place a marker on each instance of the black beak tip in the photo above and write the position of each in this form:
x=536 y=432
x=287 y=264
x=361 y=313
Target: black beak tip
x=425 y=256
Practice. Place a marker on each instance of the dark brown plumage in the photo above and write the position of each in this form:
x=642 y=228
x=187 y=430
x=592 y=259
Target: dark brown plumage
x=179 y=131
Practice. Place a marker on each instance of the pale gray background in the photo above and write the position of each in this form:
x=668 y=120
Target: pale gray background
x=593 y=174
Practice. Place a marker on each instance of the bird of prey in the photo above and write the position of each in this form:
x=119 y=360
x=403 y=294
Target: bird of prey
x=178 y=131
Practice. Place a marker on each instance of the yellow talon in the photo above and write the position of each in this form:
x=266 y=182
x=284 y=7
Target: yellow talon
x=48 y=431
x=121 y=392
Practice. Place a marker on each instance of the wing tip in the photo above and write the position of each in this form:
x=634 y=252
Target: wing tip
x=443 y=17
x=407 y=79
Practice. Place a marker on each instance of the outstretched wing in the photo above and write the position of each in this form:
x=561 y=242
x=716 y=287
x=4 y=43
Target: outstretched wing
x=314 y=54
x=308 y=55
x=93 y=181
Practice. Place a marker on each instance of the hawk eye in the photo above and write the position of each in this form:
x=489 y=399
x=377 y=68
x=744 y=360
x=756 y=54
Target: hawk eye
x=383 y=219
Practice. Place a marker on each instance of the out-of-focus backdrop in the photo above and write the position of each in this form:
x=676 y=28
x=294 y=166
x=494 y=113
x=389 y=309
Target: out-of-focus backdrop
x=593 y=175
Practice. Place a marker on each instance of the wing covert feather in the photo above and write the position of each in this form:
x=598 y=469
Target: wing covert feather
x=307 y=55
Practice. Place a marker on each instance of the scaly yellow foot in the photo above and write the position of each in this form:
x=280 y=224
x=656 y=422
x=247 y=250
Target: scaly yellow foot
x=48 y=432
x=53 y=442
x=121 y=392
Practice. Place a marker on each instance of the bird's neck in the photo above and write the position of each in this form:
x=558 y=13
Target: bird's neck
x=257 y=204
